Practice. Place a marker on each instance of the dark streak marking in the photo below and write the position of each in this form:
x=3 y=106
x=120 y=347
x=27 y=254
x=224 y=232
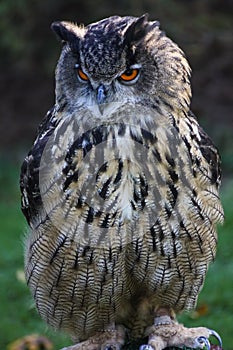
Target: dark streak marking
x=135 y=137
x=59 y=274
x=198 y=207
x=104 y=191
x=173 y=175
x=121 y=130
x=147 y=135
x=97 y=136
x=182 y=226
x=153 y=234
x=170 y=160
x=174 y=193
x=105 y=223
x=85 y=250
x=119 y=172
x=79 y=203
x=90 y=215
x=60 y=245
x=157 y=155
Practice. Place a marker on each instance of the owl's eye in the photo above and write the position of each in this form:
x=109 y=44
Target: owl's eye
x=129 y=76
x=82 y=76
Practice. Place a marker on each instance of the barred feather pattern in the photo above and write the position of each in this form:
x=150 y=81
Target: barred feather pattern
x=122 y=208
x=127 y=217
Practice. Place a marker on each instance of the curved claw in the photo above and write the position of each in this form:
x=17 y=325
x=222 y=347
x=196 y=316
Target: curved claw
x=146 y=347
x=204 y=340
x=217 y=336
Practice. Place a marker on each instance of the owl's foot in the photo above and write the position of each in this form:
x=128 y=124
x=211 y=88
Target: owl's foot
x=111 y=339
x=167 y=332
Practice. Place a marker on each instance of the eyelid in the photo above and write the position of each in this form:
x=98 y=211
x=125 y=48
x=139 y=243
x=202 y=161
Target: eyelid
x=136 y=66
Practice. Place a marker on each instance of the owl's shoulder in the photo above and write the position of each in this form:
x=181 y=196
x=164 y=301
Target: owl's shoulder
x=209 y=151
x=29 y=176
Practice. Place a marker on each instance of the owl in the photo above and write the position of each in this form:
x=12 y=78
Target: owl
x=120 y=191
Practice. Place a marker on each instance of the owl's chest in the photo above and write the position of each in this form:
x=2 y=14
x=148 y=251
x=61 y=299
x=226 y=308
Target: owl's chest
x=112 y=174
x=119 y=176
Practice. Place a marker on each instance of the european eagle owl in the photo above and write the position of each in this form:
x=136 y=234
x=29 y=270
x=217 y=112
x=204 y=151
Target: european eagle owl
x=120 y=190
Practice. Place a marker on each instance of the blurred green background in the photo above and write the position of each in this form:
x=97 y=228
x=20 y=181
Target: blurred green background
x=28 y=54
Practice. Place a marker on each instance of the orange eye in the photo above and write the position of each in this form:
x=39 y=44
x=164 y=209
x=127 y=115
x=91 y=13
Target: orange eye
x=82 y=75
x=129 y=75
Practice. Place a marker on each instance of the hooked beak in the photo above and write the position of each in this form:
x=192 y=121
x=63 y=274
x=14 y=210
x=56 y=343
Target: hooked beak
x=101 y=94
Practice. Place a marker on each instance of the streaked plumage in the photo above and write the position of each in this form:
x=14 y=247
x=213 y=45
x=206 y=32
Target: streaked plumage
x=121 y=186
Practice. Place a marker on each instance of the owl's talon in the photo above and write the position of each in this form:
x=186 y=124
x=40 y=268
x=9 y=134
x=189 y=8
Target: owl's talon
x=217 y=336
x=203 y=341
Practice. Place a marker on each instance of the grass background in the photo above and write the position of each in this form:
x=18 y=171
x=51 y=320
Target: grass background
x=18 y=316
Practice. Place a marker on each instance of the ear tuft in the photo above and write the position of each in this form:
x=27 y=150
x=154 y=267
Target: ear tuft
x=138 y=29
x=64 y=31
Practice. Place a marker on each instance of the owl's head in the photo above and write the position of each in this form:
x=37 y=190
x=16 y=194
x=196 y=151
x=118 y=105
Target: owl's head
x=120 y=60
